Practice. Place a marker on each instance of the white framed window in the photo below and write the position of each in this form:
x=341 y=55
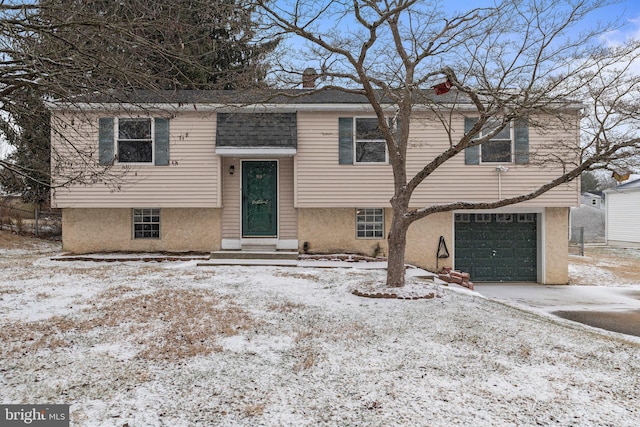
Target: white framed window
x=498 y=149
x=146 y=223
x=504 y=218
x=527 y=217
x=482 y=218
x=370 y=223
x=370 y=145
x=463 y=217
x=134 y=142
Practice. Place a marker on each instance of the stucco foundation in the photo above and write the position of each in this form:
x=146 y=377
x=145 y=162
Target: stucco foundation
x=110 y=230
x=423 y=239
x=556 y=246
x=334 y=231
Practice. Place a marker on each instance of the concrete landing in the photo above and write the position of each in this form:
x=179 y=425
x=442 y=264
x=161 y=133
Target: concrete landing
x=254 y=255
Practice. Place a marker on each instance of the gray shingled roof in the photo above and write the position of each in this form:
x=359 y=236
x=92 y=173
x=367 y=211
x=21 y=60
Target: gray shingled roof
x=630 y=184
x=257 y=130
x=283 y=97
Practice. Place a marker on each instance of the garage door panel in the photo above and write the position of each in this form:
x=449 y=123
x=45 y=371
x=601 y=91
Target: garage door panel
x=504 y=271
x=465 y=252
x=480 y=272
x=525 y=271
x=466 y=234
x=502 y=246
x=526 y=254
x=484 y=253
x=497 y=251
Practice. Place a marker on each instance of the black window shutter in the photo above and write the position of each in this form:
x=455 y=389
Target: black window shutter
x=471 y=154
x=345 y=140
x=162 y=141
x=521 y=140
x=105 y=141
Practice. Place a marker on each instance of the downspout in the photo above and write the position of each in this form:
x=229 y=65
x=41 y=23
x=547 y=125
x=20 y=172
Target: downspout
x=500 y=169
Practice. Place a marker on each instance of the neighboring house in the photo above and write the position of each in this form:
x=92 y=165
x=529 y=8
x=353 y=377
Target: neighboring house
x=623 y=214
x=588 y=220
x=593 y=200
x=587 y=225
x=307 y=174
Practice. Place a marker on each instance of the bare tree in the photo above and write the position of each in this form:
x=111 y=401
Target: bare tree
x=71 y=50
x=517 y=60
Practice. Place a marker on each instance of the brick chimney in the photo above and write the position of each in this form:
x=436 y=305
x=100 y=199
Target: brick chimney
x=309 y=77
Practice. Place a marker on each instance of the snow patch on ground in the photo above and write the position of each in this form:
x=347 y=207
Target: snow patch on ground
x=293 y=346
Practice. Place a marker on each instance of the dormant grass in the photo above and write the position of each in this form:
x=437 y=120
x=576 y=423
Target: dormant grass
x=163 y=325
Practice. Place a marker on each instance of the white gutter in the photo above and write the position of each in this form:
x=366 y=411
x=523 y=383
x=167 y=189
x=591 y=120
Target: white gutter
x=255 y=151
x=226 y=108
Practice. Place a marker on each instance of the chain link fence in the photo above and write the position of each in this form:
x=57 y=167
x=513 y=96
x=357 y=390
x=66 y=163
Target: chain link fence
x=40 y=223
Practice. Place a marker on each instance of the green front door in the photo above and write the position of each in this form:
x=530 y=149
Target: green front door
x=497 y=247
x=259 y=199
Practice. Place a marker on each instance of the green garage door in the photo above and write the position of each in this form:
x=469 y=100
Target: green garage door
x=496 y=247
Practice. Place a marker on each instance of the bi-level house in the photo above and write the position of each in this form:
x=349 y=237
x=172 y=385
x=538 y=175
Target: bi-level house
x=212 y=171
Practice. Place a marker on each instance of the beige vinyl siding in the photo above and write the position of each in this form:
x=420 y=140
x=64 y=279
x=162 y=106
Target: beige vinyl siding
x=190 y=181
x=322 y=182
x=287 y=213
x=231 y=198
x=456 y=181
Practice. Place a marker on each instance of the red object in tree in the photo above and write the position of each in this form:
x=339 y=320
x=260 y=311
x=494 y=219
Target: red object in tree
x=442 y=87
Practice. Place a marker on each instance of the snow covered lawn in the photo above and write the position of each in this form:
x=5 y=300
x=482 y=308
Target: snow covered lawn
x=171 y=344
x=605 y=266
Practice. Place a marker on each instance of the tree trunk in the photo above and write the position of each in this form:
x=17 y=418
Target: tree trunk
x=397 y=245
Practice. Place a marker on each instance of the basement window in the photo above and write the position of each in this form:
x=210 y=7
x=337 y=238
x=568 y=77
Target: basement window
x=146 y=223
x=370 y=223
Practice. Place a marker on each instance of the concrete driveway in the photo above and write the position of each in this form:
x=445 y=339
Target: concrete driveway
x=612 y=308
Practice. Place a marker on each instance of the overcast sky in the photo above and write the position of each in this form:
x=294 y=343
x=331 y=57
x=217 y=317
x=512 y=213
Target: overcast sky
x=626 y=13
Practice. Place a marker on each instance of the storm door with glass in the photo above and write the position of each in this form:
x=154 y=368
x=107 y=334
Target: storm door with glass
x=259 y=198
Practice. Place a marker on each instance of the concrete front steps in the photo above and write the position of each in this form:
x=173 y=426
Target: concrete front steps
x=258 y=256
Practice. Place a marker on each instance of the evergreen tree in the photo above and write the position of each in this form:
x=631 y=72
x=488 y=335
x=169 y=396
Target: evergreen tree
x=25 y=126
x=593 y=182
x=62 y=49
x=165 y=44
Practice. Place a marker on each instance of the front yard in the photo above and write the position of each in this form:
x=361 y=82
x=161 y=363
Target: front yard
x=171 y=344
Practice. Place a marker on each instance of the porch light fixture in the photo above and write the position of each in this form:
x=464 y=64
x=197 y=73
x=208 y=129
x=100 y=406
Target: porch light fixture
x=232 y=169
